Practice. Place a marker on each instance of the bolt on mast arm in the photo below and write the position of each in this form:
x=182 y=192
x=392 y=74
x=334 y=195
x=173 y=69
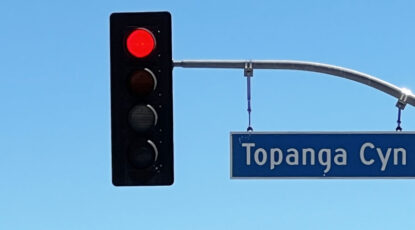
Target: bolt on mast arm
x=401 y=94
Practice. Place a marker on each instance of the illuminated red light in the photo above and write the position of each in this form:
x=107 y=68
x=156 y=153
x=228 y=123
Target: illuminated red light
x=141 y=42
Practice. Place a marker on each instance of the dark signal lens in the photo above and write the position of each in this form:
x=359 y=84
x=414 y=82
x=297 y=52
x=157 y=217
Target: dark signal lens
x=143 y=82
x=142 y=118
x=143 y=154
x=140 y=43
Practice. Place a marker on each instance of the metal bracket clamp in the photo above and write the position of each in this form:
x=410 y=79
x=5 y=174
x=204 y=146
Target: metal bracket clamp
x=248 y=69
x=402 y=101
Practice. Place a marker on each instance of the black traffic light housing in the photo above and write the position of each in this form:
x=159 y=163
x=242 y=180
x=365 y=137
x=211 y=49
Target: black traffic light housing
x=141 y=98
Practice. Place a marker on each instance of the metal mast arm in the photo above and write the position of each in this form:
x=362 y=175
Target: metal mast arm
x=386 y=87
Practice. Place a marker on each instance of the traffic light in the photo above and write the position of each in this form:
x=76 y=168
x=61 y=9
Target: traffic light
x=141 y=98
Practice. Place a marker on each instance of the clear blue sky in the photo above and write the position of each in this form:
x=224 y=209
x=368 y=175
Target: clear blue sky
x=55 y=159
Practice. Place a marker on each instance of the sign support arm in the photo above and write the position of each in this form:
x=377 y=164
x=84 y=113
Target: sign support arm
x=401 y=94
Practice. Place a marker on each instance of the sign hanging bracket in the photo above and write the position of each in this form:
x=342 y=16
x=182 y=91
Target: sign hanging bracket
x=248 y=73
x=401 y=106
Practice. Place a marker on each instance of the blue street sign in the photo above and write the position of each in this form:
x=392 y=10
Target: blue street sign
x=322 y=154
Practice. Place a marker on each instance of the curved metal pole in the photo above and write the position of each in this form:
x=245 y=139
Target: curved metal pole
x=401 y=94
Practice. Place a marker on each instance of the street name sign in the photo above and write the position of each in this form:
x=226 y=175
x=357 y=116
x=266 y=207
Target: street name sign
x=322 y=154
